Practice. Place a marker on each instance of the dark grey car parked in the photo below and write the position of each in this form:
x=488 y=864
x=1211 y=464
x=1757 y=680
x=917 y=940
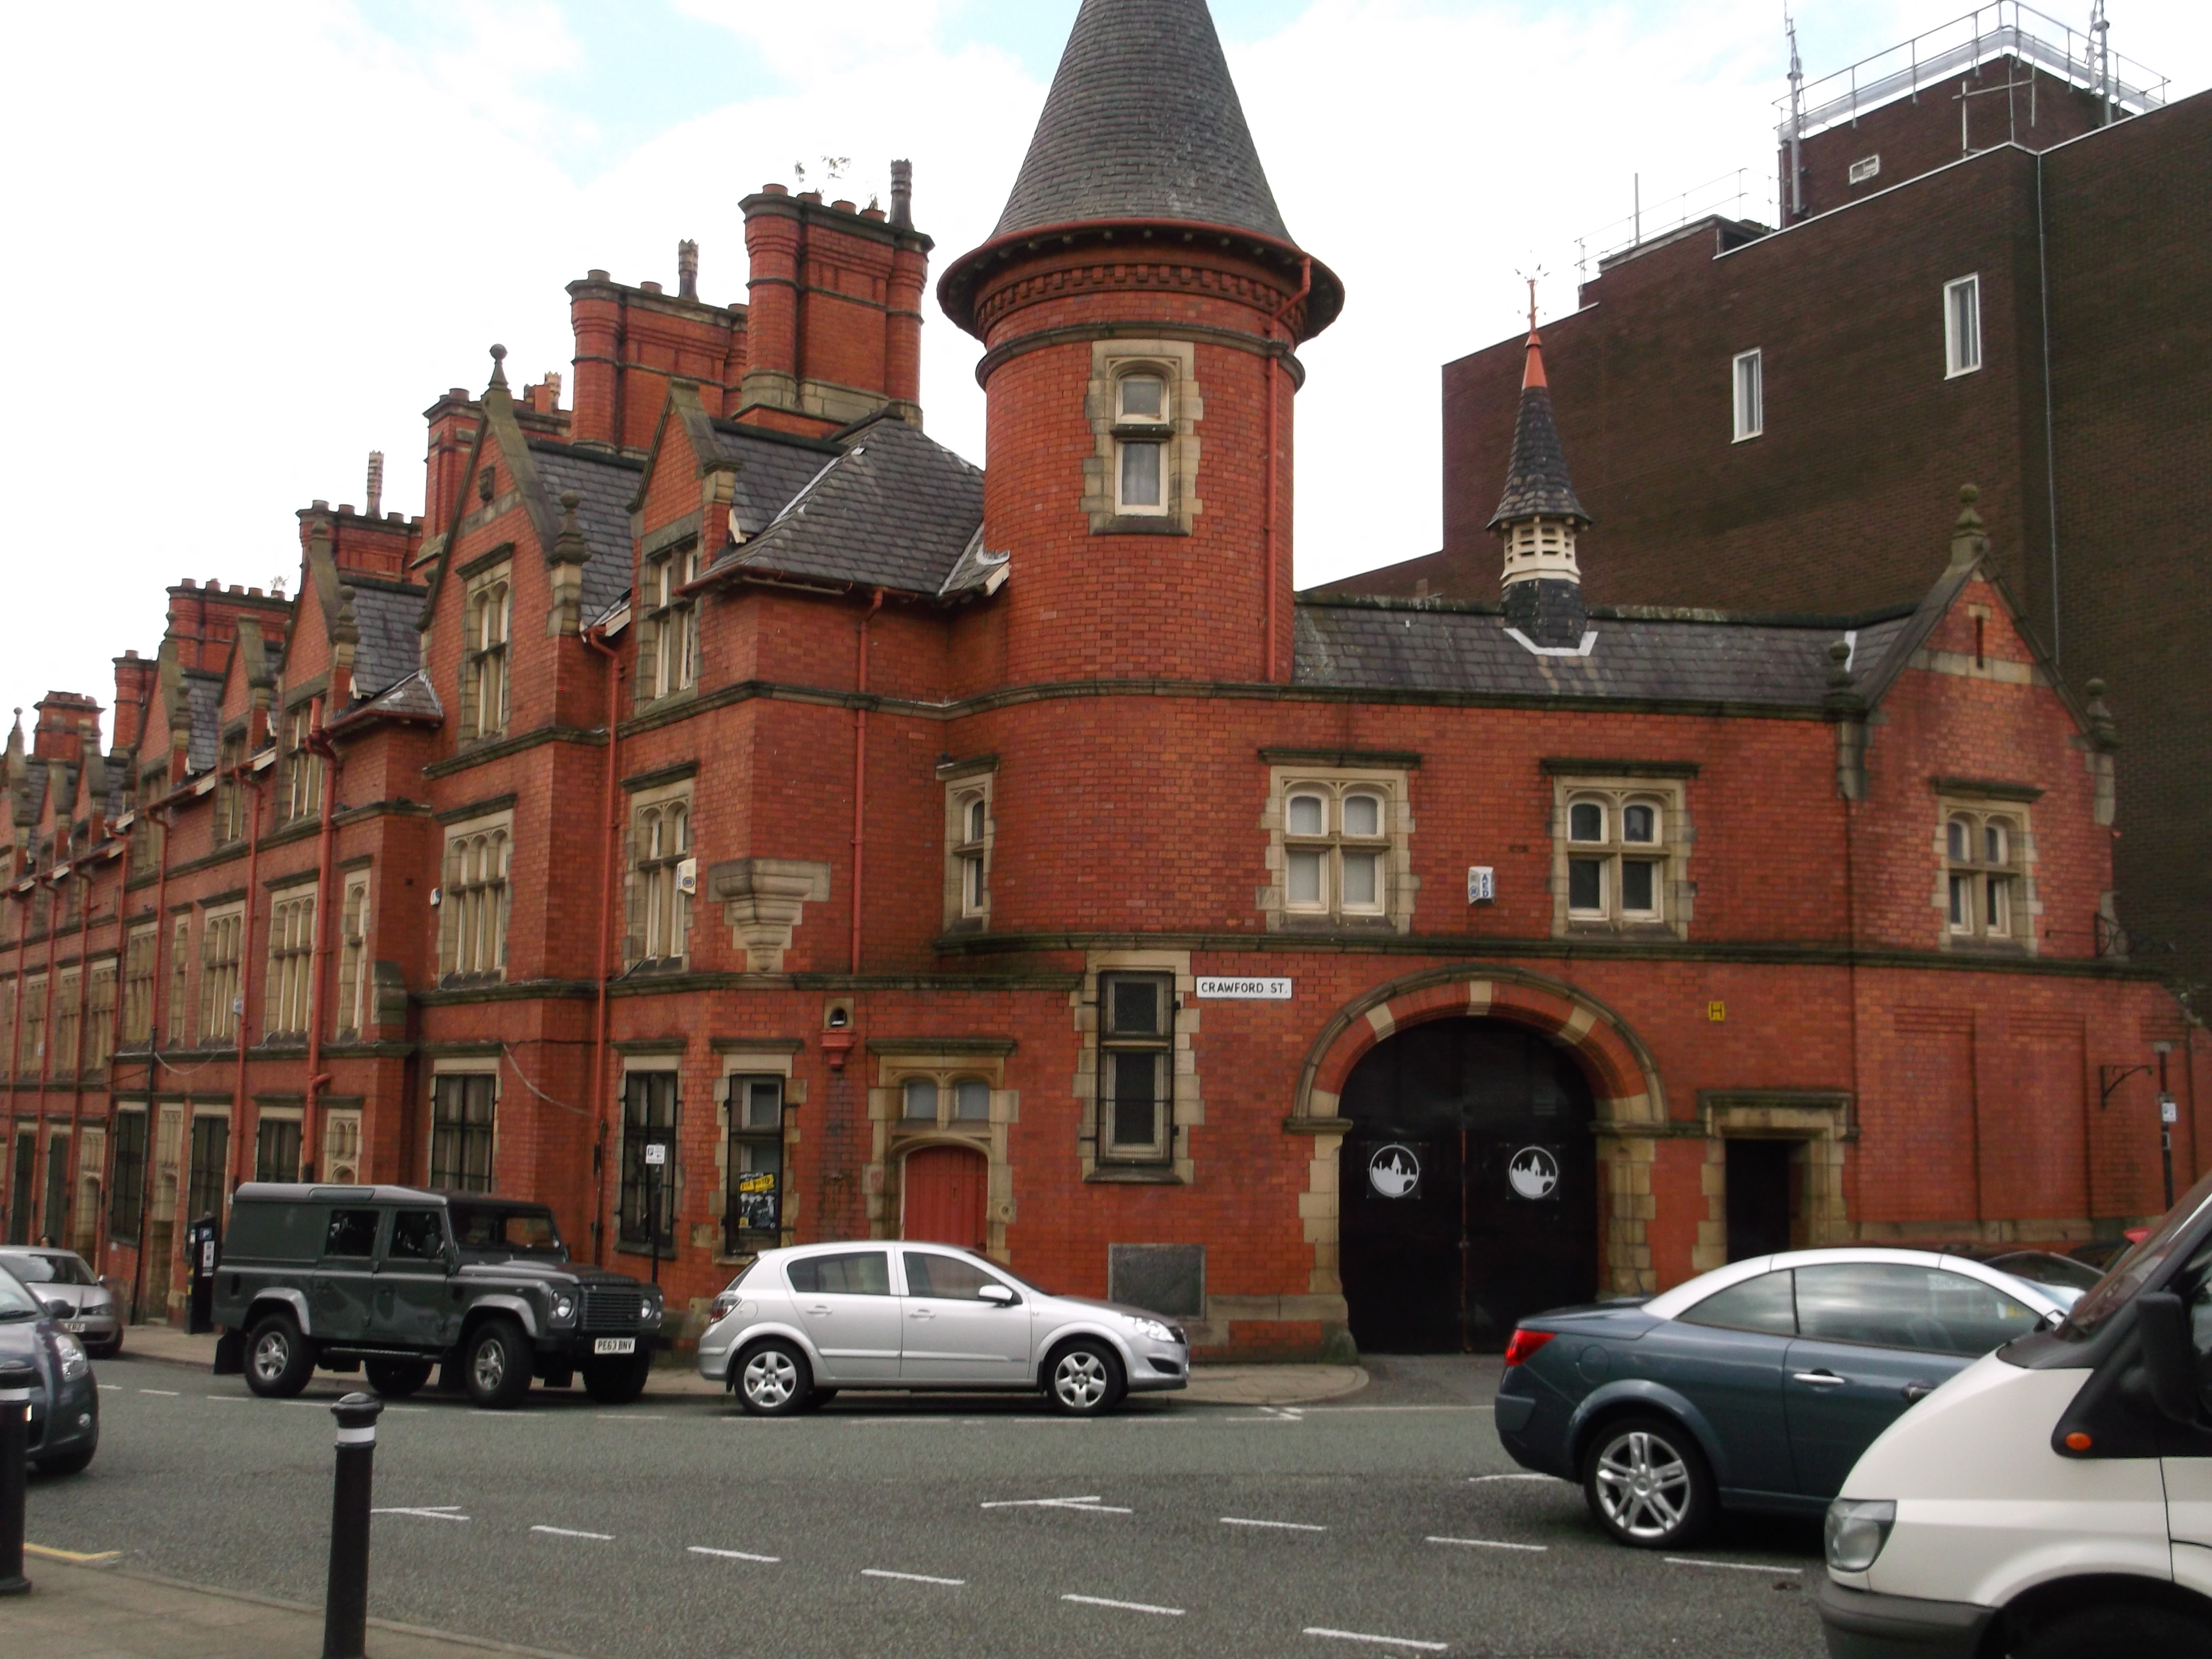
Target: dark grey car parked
x=64 y=1399
x=397 y=1280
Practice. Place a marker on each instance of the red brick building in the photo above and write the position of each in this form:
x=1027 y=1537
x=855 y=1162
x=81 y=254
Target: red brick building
x=1013 y=857
x=1985 y=277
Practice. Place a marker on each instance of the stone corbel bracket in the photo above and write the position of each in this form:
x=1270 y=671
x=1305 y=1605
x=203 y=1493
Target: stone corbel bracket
x=762 y=902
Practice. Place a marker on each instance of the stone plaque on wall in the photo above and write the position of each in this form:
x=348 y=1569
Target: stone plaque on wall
x=1163 y=1278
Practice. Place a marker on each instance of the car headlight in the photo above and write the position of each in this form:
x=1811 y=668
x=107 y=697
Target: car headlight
x=1152 y=1329
x=1855 y=1531
x=650 y=1313
x=564 y=1308
x=74 y=1362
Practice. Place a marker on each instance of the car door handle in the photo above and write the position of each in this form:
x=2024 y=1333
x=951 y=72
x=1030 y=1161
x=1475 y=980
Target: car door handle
x=1916 y=1391
x=1820 y=1379
x=920 y=1313
x=818 y=1308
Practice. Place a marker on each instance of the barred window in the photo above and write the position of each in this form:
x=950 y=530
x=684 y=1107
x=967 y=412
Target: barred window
x=650 y=1104
x=100 y=1016
x=276 y=1149
x=475 y=903
x=485 y=694
x=353 y=958
x=208 y=1180
x=1136 y=1065
x=138 y=955
x=126 y=1193
x=221 y=947
x=291 y=965
x=463 y=1108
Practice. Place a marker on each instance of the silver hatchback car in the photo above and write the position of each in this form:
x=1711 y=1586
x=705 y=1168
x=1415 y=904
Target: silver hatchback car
x=78 y=1298
x=800 y=1324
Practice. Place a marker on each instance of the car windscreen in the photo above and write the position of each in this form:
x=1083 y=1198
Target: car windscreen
x=2141 y=1265
x=35 y=1269
x=506 y=1230
x=2041 y=1268
x=16 y=1302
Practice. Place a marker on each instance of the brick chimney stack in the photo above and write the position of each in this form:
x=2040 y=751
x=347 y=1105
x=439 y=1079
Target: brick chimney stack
x=68 y=728
x=134 y=694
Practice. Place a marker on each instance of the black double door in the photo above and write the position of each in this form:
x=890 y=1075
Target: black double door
x=1468 y=1187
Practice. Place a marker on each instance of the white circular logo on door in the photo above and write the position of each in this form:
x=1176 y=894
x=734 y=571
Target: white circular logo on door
x=1533 y=1172
x=1394 y=1171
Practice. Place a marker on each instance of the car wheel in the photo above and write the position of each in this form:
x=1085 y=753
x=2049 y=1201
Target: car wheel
x=1083 y=1379
x=2113 y=1632
x=1647 y=1483
x=67 y=1462
x=278 y=1360
x=617 y=1381
x=496 y=1364
x=108 y=1350
x=396 y=1379
x=774 y=1380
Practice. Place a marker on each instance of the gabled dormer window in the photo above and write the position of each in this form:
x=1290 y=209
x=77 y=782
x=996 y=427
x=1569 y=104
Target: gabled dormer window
x=483 y=656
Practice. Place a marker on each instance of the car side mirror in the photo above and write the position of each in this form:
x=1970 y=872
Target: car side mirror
x=2169 y=1362
x=999 y=1296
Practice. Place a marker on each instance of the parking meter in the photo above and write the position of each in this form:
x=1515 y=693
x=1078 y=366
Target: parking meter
x=201 y=1241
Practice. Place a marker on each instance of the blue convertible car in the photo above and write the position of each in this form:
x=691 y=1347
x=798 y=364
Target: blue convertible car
x=1754 y=1387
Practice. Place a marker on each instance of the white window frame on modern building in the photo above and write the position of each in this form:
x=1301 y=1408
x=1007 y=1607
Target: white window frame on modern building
x=474 y=897
x=1121 y=433
x=487 y=632
x=463 y=1128
x=1307 y=867
x=291 y=962
x=1985 y=894
x=1660 y=901
x=351 y=1015
x=668 y=630
x=970 y=832
x=222 y=972
x=1749 y=384
x=1962 y=325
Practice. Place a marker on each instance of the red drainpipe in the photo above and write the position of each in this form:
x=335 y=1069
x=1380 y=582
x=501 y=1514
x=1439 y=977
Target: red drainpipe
x=860 y=775
x=327 y=916
x=1305 y=286
x=243 y=772
x=596 y=638
x=100 y=1241
x=153 y=1013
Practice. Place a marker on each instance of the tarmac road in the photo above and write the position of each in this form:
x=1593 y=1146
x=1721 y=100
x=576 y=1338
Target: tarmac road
x=1386 y=1523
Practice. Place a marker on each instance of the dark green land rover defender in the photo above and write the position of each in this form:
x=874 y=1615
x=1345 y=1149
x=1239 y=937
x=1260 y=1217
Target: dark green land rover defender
x=398 y=1279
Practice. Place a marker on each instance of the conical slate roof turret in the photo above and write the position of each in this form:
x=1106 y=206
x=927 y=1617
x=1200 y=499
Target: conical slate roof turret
x=1536 y=481
x=1143 y=122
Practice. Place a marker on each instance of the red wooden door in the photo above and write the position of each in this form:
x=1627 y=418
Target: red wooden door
x=943 y=1196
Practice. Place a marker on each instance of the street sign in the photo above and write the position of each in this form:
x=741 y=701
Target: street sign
x=2167 y=1111
x=1244 y=990
x=656 y=1154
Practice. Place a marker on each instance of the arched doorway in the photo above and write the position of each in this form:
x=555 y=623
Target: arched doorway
x=1467 y=1186
x=942 y=1195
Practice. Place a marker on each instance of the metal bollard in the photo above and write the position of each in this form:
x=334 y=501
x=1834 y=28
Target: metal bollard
x=16 y=1380
x=345 y=1605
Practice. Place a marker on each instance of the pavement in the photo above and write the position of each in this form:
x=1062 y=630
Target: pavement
x=1387 y=1520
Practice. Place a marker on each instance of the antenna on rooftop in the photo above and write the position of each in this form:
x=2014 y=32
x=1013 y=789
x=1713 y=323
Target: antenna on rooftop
x=2100 y=54
x=1797 y=116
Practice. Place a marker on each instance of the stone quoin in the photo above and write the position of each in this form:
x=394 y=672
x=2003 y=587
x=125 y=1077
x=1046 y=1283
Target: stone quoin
x=1012 y=857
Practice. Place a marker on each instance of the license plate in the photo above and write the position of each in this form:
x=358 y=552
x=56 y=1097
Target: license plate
x=74 y=1327
x=615 y=1345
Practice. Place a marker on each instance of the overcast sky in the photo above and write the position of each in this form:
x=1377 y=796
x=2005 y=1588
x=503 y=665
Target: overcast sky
x=248 y=244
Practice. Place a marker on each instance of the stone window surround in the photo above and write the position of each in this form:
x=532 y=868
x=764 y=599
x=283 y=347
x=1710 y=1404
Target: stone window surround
x=667 y=1065
x=215 y=1025
x=1391 y=782
x=636 y=882
x=483 y=653
x=743 y=1059
x=352 y=942
x=1187 y=1103
x=1661 y=783
x=677 y=563
x=965 y=782
x=500 y=823
x=943 y=1058
x=462 y=1066
x=1176 y=360
x=1978 y=802
x=287 y=987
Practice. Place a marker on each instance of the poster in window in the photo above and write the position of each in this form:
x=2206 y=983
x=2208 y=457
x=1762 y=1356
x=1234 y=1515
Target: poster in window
x=758 y=1204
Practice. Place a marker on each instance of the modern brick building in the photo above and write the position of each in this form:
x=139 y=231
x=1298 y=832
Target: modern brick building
x=1986 y=275
x=1013 y=857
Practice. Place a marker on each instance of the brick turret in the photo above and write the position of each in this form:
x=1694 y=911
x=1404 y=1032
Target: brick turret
x=1142 y=300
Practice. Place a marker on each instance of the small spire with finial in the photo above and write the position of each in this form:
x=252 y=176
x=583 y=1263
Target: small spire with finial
x=499 y=366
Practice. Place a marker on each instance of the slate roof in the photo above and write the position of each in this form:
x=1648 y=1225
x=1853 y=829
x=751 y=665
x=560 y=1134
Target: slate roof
x=1143 y=122
x=897 y=509
x=605 y=485
x=411 y=698
x=1414 y=646
x=772 y=468
x=203 y=698
x=389 y=618
x=1536 y=478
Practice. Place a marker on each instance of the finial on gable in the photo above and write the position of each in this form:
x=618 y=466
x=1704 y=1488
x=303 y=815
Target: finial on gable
x=499 y=366
x=1968 y=543
x=565 y=561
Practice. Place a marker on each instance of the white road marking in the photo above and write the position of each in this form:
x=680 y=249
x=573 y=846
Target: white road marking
x=1282 y=1526
x=1126 y=1607
x=631 y=1417
x=730 y=1555
x=1479 y=1479
x=1089 y=1505
x=910 y=1578
x=117 y=1388
x=426 y=1512
x=567 y=1532
x=1732 y=1566
x=1318 y=1409
x=1491 y=1544
x=1382 y=1641
x=165 y=1394
x=226 y=1399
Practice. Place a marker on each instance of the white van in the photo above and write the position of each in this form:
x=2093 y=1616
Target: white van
x=2054 y=1499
